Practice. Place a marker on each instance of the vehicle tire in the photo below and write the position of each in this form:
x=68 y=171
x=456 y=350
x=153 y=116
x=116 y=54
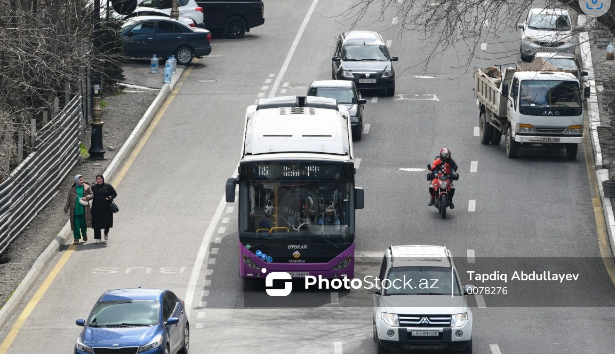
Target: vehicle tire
x=511 y=145
x=235 y=27
x=571 y=151
x=391 y=92
x=443 y=205
x=186 y=346
x=496 y=136
x=486 y=130
x=358 y=135
x=380 y=349
x=184 y=55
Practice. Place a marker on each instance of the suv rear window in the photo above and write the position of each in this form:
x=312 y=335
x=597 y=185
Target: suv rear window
x=421 y=281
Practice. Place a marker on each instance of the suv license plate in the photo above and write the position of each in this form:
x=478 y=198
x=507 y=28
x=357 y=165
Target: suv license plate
x=298 y=275
x=367 y=81
x=549 y=140
x=425 y=333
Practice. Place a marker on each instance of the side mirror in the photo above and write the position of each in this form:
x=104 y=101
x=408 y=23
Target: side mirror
x=130 y=34
x=394 y=58
x=359 y=198
x=429 y=166
x=335 y=59
x=584 y=73
x=586 y=92
x=80 y=322
x=468 y=289
x=505 y=90
x=230 y=190
x=172 y=321
x=362 y=101
x=520 y=26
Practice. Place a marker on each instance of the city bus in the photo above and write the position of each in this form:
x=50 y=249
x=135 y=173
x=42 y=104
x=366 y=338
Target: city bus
x=297 y=195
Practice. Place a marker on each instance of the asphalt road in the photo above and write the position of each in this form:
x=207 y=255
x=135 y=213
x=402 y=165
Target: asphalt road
x=175 y=231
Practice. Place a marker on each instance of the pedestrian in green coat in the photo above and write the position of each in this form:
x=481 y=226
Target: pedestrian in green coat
x=80 y=215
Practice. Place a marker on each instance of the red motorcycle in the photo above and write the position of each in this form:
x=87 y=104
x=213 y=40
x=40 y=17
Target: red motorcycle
x=442 y=183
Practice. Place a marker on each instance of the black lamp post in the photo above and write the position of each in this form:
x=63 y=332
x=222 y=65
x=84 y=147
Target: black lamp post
x=97 y=152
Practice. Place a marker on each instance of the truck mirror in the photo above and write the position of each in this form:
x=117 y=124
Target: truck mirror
x=394 y=58
x=230 y=190
x=584 y=73
x=505 y=90
x=359 y=198
x=586 y=92
x=362 y=101
x=335 y=59
x=520 y=26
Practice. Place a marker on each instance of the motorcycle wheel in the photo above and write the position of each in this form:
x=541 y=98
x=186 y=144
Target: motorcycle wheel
x=443 y=205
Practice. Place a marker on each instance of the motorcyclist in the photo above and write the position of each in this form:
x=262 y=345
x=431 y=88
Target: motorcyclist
x=449 y=166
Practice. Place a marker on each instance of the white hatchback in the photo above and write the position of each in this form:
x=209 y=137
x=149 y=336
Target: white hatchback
x=546 y=30
x=187 y=8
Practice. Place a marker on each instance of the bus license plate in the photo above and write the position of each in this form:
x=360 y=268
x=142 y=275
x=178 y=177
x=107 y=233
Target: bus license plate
x=367 y=81
x=425 y=333
x=549 y=140
x=298 y=275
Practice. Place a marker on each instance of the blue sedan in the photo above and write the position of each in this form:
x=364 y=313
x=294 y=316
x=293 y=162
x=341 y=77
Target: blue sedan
x=130 y=321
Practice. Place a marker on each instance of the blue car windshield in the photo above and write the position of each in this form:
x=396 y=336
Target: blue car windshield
x=128 y=313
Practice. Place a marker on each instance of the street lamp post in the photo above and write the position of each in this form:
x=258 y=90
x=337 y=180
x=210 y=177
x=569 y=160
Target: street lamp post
x=97 y=152
x=175 y=9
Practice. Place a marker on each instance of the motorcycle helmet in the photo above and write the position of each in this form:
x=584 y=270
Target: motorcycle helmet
x=445 y=154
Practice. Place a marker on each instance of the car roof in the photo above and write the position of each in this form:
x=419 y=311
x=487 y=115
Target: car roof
x=132 y=294
x=423 y=255
x=365 y=37
x=332 y=83
x=537 y=10
x=152 y=17
x=555 y=55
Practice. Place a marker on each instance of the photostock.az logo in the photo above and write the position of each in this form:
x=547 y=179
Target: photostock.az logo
x=595 y=8
x=288 y=285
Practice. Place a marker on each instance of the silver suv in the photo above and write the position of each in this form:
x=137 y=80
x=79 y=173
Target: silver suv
x=419 y=303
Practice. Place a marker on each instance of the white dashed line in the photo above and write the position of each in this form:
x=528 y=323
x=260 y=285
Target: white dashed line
x=424 y=77
x=413 y=169
x=222 y=230
x=271 y=75
x=261 y=95
x=268 y=81
x=202 y=304
x=470 y=256
x=374 y=99
x=264 y=88
x=283 y=91
x=212 y=261
x=357 y=162
x=394 y=20
x=230 y=210
x=218 y=240
x=366 y=128
x=495 y=349
x=473 y=166
x=199 y=325
x=476 y=131
x=286 y=84
x=225 y=220
x=483 y=46
x=200 y=315
x=472 y=206
x=209 y=272
x=335 y=299
x=207 y=283
x=205 y=293
x=480 y=302
x=389 y=42
x=337 y=348
x=214 y=250
x=400 y=1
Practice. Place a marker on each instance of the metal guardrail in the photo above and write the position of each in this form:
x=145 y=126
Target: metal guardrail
x=34 y=182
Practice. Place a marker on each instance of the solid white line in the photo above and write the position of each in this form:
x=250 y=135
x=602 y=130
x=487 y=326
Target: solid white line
x=335 y=300
x=473 y=166
x=264 y=88
x=366 y=128
x=495 y=349
x=200 y=257
x=476 y=131
x=225 y=220
x=472 y=206
x=394 y=21
x=222 y=230
x=374 y=99
x=483 y=46
x=291 y=52
x=337 y=348
x=470 y=256
x=389 y=42
x=480 y=302
x=229 y=210
x=357 y=162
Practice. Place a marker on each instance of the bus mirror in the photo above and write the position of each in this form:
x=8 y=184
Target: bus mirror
x=230 y=190
x=359 y=198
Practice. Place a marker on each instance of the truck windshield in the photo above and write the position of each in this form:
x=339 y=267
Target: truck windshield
x=549 y=93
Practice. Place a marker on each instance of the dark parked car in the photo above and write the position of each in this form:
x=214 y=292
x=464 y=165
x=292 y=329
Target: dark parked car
x=346 y=93
x=151 y=321
x=234 y=18
x=363 y=57
x=145 y=36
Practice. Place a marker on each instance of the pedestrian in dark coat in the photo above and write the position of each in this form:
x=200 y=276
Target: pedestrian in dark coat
x=102 y=217
x=80 y=215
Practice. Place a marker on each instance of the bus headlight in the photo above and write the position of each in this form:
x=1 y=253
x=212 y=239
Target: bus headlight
x=574 y=129
x=250 y=263
x=525 y=128
x=343 y=264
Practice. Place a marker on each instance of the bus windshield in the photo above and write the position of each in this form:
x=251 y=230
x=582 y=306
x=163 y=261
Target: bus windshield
x=549 y=93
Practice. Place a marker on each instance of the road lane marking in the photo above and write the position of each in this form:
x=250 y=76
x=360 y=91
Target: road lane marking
x=226 y=220
x=480 y=302
x=286 y=84
x=394 y=22
x=483 y=46
x=211 y=261
x=293 y=47
x=417 y=97
x=495 y=349
x=214 y=250
x=473 y=166
x=413 y=169
x=200 y=315
x=209 y=272
x=271 y=75
x=218 y=240
x=283 y=91
x=207 y=283
x=199 y=325
x=476 y=131
x=335 y=299
x=389 y=42
x=205 y=293
x=264 y=88
x=470 y=256
x=261 y=95
x=337 y=348
x=357 y=162
x=268 y=81
x=222 y=230
x=424 y=77
x=472 y=206
x=230 y=210
x=366 y=128
x=374 y=99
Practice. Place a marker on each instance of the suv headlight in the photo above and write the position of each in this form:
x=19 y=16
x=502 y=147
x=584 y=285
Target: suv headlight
x=459 y=319
x=390 y=319
x=525 y=128
x=347 y=74
x=83 y=347
x=574 y=129
x=151 y=345
x=387 y=73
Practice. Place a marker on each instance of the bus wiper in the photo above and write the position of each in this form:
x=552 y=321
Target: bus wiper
x=327 y=241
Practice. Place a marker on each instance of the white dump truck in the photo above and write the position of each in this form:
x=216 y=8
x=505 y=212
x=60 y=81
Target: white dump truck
x=530 y=108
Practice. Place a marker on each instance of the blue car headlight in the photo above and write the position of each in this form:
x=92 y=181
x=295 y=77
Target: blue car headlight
x=83 y=347
x=155 y=343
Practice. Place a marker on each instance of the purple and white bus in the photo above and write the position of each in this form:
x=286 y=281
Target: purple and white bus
x=297 y=197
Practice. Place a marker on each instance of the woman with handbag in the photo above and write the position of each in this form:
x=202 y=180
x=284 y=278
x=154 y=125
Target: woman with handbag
x=77 y=202
x=102 y=216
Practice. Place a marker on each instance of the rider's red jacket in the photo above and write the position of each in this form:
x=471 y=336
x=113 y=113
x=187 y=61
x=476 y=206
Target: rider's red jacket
x=449 y=167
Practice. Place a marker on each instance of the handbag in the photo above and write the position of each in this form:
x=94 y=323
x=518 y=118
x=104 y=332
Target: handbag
x=113 y=207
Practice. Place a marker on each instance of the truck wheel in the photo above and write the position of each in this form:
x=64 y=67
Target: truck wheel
x=443 y=205
x=511 y=145
x=486 y=130
x=571 y=151
x=497 y=137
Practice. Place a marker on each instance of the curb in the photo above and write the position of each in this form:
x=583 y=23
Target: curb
x=593 y=114
x=64 y=236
